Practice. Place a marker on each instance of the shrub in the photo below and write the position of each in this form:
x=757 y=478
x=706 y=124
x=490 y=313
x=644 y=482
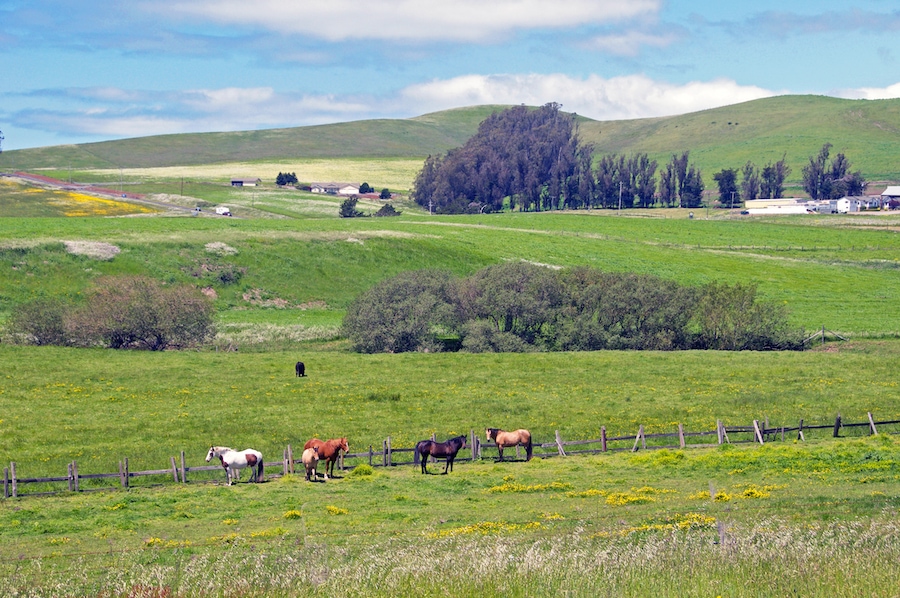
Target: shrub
x=122 y=312
x=40 y=322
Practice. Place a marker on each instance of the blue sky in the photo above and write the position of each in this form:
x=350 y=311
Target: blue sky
x=73 y=71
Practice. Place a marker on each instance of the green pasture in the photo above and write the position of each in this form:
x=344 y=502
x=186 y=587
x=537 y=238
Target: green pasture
x=838 y=272
x=100 y=406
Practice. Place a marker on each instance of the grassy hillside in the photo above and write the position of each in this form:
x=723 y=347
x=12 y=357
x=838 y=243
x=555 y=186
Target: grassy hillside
x=760 y=131
x=839 y=272
x=427 y=134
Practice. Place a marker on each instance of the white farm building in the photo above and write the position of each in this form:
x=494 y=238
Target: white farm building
x=335 y=188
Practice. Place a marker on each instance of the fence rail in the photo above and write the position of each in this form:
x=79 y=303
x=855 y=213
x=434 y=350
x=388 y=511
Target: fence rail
x=757 y=432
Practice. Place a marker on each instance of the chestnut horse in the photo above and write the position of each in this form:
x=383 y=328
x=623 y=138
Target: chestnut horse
x=441 y=450
x=328 y=451
x=505 y=439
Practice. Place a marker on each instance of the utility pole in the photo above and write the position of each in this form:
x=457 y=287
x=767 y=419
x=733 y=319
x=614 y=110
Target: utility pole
x=620 y=199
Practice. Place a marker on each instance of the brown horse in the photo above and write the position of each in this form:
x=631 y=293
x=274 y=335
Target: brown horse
x=505 y=439
x=328 y=451
x=438 y=450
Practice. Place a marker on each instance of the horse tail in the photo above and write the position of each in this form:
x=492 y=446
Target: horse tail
x=260 y=468
x=416 y=455
x=528 y=449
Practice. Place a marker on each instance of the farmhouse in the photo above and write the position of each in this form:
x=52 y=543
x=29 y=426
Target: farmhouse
x=245 y=182
x=335 y=188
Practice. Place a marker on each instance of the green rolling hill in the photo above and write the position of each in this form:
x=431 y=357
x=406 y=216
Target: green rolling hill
x=761 y=131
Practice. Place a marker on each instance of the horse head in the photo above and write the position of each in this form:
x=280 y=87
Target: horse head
x=491 y=433
x=344 y=445
x=210 y=454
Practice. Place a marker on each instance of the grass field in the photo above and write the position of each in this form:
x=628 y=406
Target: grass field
x=812 y=518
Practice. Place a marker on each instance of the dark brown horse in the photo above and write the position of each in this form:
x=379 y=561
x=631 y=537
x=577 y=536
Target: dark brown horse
x=300 y=368
x=439 y=450
x=505 y=439
x=329 y=450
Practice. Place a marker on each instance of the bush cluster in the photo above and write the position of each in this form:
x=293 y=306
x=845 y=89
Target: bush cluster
x=519 y=306
x=121 y=312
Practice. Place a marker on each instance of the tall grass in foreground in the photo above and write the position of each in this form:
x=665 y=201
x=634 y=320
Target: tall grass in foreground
x=771 y=558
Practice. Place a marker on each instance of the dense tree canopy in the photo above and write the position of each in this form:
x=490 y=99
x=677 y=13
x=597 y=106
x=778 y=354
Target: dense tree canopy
x=520 y=155
x=519 y=306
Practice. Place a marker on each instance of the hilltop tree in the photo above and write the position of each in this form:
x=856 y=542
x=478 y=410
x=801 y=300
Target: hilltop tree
x=520 y=155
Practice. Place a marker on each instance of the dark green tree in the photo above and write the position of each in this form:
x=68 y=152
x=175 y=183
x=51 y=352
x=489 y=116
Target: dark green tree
x=726 y=179
x=348 y=208
x=408 y=312
x=749 y=181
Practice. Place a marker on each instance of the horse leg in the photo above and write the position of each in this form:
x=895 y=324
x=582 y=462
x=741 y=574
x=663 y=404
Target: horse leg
x=500 y=451
x=424 y=463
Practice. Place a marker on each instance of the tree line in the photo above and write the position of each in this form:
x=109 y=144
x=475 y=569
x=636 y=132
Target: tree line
x=532 y=160
x=519 y=307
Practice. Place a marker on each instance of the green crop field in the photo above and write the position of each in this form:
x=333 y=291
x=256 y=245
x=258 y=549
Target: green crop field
x=812 y=517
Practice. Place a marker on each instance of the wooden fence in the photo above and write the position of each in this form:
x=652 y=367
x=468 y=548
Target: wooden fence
x=388 y=456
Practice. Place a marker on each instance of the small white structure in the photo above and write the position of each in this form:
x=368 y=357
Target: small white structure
x=335 y=188
x=245 y=182
x=223 y=211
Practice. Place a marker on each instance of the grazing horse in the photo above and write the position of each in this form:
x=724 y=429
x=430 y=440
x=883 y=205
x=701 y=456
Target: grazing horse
x=310 y=461
x=233 y=461
x=329 y=450
x=300 y=369
x=505 y=439
x=441 y=450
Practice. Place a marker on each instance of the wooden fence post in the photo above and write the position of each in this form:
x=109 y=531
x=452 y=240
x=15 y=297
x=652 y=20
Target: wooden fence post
x=474 y=444
x=559 y=445
x=75 y=474
x=183 y=469
x=603 y=438
x=681 y=435
x=6 y=482
x=757 y=432
x=284 y=462
x=15 y=485
x=872 y=423
x=837 y=425
x=122 y=479
x=719 y=431
x=69 y=475
x=639 y=438
x=127 y=473
x=800 y=435
x=371 y=455
x=174 y=470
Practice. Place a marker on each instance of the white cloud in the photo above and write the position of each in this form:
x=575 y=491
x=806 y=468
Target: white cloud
x=409 y=20
x=871 y=93
x=632 y=96
x=629 y=43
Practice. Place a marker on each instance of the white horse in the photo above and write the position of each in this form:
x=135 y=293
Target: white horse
x=233 y=461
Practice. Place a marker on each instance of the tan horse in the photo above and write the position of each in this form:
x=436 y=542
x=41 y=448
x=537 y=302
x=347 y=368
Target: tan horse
x=310 y=460
x=329 y=450
x=506 y=439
